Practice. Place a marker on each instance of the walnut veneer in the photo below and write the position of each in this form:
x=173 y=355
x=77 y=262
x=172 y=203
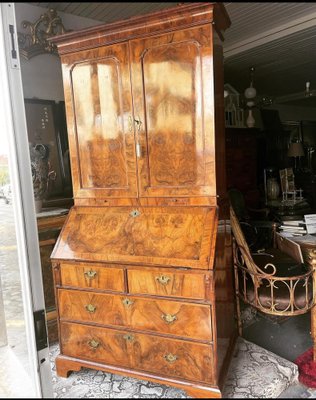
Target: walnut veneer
x=143 y=265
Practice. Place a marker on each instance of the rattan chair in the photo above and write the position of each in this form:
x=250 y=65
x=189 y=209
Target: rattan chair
x=273 y=283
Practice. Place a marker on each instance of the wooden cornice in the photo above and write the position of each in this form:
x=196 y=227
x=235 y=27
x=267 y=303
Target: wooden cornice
x=179 y=17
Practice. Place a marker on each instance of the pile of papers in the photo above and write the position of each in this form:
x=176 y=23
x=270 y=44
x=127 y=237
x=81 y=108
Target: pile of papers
x=293 y=228
x=299 y=227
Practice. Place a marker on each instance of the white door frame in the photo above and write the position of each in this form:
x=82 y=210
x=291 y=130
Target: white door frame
x=13 y=111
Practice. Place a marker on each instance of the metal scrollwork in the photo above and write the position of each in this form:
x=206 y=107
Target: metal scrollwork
x=35 y=43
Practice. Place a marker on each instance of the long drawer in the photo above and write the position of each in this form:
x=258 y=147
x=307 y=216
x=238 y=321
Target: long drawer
x=163 y=282
x=169 y=357
x=94 y=276
x=170 y=317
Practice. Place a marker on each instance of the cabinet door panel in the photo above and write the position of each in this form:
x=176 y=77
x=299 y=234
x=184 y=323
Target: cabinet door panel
x=101 y=137
x=173 y=100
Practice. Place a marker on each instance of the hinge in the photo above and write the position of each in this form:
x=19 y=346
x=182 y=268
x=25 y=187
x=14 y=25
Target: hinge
x=13 y=50
x=11 y=39
x=40 y=330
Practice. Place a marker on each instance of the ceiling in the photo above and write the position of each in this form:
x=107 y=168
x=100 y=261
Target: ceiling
x=278 y=39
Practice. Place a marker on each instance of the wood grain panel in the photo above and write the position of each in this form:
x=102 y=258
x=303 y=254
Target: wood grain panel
x=99 y=110
x=168 y=317
x=167 y=283
x=182 y=236
x=149 y=201
x=94 y=276
x=192 y=361
x=173 y=95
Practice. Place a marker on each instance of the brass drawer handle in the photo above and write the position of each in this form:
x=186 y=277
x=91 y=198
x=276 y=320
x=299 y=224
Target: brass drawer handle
x=90 y=274
x=127 y=302
x=94 y=344
x=170 y=358
x=169 y=318
x=90 y=308
x=163 y=280
x=128 y=337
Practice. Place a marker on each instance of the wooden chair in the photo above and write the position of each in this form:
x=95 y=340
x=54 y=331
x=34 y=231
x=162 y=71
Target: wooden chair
x=273 y=283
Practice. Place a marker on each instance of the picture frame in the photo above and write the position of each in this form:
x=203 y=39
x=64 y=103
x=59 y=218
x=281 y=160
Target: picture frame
x=46 y=124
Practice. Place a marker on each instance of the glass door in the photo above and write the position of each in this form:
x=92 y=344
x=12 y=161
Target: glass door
x=24 y=357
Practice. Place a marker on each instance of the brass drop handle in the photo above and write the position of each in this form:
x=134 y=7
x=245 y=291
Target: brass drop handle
x=94 y=344
x=90 y=308
x=128 y=337
x=162 y=279
x=90 y=274
x=170 y=358
x=169 y=318
x=138 y=150
x=127 y=302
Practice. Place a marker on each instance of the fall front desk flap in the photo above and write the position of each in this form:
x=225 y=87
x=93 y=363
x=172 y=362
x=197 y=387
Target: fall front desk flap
x=181 y=236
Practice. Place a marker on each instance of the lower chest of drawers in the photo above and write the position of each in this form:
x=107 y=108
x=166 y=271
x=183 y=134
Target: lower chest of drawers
x=154 y=320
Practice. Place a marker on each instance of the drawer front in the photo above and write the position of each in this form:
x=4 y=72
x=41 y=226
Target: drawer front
x=169 y=317
x=169 y=357
x=92 y=276
x=165 y=283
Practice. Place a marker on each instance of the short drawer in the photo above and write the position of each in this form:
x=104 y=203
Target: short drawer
x=169 y=317
x=167 y=283
x=168 y=357
x=94 y=276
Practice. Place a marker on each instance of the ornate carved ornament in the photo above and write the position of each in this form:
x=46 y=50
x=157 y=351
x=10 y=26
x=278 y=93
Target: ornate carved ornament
x=35 y=43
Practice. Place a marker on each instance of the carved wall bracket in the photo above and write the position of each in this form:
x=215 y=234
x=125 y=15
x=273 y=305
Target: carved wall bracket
x=35 y=43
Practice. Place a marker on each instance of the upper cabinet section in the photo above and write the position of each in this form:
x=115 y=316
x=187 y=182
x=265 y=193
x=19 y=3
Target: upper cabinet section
x=173 y=99
x=140 y=99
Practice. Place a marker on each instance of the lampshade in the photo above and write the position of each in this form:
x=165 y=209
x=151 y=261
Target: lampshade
x=295 y=150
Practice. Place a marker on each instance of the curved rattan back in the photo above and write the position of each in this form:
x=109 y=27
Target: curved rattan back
x=241 y=242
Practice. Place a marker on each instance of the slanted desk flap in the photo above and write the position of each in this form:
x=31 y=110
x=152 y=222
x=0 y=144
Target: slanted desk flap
x=172 y=236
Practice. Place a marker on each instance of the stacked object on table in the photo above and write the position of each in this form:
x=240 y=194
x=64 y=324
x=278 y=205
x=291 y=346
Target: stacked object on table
x=293 y=228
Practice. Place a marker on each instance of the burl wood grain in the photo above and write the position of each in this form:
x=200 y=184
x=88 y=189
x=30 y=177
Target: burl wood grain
x=99 y=113
x=168 y=317
x=192 y=361
x=173 y=96
x=152 y=83
x=180 y=236
x=94 y=276
x=165 y=282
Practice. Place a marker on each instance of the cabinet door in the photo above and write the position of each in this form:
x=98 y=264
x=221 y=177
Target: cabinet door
x=173 y=95
x=99 y=111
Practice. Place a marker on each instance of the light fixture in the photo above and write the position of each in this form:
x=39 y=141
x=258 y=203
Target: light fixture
x=250 y=94
x=295 y=150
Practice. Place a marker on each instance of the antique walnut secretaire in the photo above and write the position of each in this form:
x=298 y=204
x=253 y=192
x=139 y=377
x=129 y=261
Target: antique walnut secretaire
x=143 y=265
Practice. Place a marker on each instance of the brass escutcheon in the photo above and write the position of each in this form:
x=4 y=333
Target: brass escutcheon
x=90 y=274
x=128 y=337
x=170 y=358
x=134 y=213
x=90 y=308
x=168 y=318
x=162 y=279
x=127 y=302
x=93 y=344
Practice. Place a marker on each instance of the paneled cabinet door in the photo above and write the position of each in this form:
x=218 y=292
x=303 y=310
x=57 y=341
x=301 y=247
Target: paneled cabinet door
x=99 y=113
x=173 y=95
